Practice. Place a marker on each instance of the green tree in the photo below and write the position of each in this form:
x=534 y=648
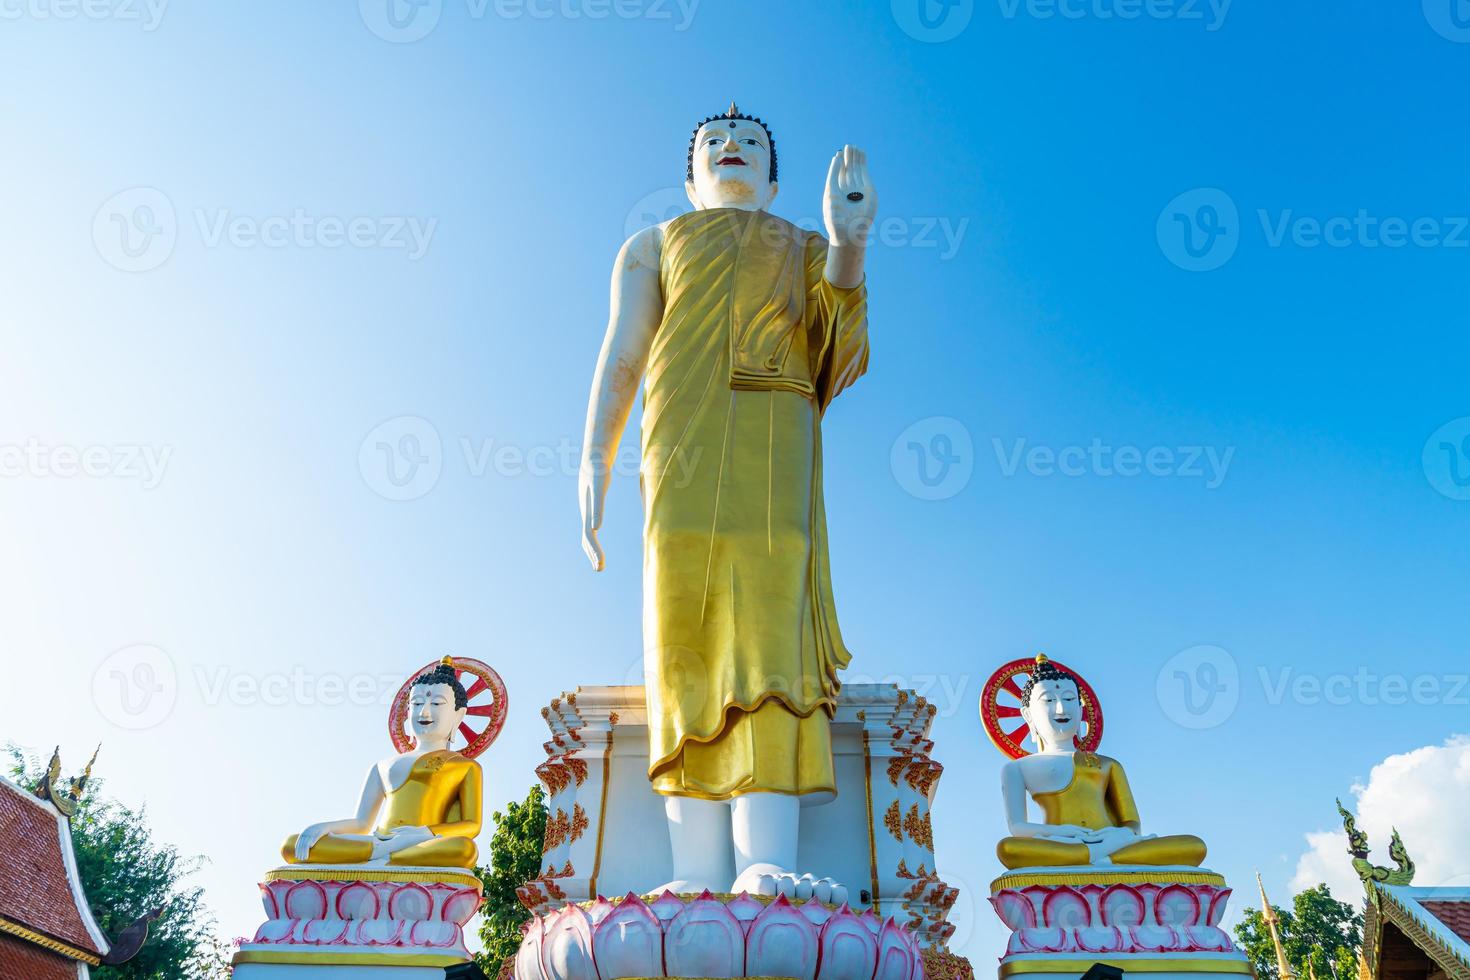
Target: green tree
x=126 y=874
x=1318 y=930
x=515 y=858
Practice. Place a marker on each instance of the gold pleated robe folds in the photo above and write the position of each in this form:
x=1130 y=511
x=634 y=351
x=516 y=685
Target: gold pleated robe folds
x=741 y=641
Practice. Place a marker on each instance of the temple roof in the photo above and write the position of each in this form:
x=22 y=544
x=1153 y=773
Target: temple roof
x=1435 y=920
x=41 y=895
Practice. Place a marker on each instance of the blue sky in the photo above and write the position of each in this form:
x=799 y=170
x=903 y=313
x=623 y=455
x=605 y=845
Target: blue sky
x=332 y=226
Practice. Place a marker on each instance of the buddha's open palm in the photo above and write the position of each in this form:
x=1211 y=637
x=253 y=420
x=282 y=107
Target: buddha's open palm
x=849 y=221
x=398 y=839
x=308 y=839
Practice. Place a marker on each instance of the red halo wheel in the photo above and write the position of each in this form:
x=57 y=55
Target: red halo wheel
x=1000 y=708
x=483 y=720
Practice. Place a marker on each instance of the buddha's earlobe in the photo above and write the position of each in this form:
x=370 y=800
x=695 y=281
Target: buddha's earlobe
x=693 y=195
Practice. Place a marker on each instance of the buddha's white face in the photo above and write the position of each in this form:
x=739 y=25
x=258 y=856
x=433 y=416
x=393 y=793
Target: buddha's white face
x=732 y=166
x=432 y=714
x=1054 y=713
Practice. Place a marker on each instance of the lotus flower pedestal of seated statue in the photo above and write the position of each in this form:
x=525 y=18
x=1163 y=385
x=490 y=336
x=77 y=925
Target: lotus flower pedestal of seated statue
x=386 y=892
x=1085 y=884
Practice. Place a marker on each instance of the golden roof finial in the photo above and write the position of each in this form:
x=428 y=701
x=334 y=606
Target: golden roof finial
x=733 y=111
x=80 y=783
x=1283 y=968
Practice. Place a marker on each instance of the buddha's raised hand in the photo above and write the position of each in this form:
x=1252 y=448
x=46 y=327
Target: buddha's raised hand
x=850 y=202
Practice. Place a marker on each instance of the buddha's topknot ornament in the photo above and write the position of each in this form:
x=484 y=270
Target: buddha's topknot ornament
x=734 y=115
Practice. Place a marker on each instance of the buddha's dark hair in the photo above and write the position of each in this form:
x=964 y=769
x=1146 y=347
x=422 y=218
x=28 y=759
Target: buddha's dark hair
x=1045 y=670
x=734 y=115
x=445 y=674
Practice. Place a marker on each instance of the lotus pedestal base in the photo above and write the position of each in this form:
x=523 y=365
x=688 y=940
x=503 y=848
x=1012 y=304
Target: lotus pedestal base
x=708 y=936
x=355 y=923
x=1164 y=922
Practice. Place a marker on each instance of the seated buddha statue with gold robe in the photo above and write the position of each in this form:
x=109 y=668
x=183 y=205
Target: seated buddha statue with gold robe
x=1089 y=817
x=419 y=809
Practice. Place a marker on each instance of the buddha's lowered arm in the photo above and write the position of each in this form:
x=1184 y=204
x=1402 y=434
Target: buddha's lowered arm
x=367 y=811
x=467 y=806
x=636 y=310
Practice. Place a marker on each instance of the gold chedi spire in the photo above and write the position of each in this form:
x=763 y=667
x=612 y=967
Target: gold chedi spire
x=1283 y=968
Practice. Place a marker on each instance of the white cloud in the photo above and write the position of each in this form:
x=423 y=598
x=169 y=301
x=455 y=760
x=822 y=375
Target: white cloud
x=1425 y=794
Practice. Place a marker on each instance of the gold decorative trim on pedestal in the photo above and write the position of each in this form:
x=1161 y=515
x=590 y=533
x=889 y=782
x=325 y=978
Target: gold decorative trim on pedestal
x=466 y=878
x=612 y=721
x=1078 y=967
x=872 y=837
x=46 y=942
x=1028 y=878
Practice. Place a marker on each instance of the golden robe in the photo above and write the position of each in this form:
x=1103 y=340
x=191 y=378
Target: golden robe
x=1097 y=796
x=741 y=641
x=442 y=791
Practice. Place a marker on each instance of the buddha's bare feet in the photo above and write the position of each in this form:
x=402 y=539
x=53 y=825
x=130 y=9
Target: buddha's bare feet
x=768 y=879
x=685 y=886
